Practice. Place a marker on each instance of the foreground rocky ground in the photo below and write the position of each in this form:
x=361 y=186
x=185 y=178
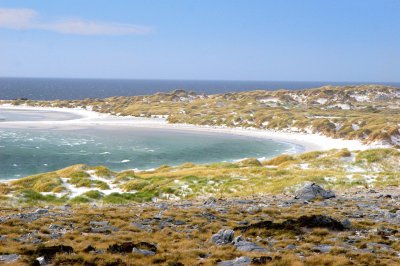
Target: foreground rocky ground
x=357 y=226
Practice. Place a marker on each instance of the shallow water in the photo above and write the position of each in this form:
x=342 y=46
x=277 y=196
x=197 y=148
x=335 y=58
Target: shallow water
x=38 y=115
x=26 y=152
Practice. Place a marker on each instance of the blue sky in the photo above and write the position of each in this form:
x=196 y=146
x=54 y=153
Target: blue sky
x=309 y=40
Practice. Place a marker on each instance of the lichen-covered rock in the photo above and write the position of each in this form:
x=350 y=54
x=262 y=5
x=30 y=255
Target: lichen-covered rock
x=313 y=191
x=143 y=252
x=241 y=261
x=223 y=237
x=248 y=246
x=9 y=258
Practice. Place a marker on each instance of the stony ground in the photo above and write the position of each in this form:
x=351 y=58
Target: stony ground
x=357 y=227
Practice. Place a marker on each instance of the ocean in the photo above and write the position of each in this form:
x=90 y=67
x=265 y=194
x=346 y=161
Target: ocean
x=68 y=89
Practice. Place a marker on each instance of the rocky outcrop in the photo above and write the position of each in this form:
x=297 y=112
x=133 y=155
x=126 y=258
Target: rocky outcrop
x=8 y=258
x=241 y=261
x=313 y=191
x=223 y=237
x=247 y=246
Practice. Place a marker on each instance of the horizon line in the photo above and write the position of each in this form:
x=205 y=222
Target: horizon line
x=186 y=79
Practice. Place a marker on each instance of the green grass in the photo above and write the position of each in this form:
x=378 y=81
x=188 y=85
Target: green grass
x=376 y=155
x=94 y=194
x=79 y=200
x=123 y=198
x=33 y=197
x=249 y=177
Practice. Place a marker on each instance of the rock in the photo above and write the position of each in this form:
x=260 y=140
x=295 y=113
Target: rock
x=207 y=215
x=9 y=258
x=346 y=223
x=253 y=209
x=210 y=201
x=158 y=216
x=322 y=248
x=102 y=227
x=379 y=246
x=162 y=206
x=290 y=247
x=141 y=226
x=29 y=238
x=313 y=191
x=65 y=207
x=223 y=237
x=55 y=227
x=178 y=222
x=55 y=235
x=248 y=246
x=241 y=261
x=143 y=252
x=243 y=201
x=99 y=224
x=102 y=230
x=41 y=211
x=40 y=261
x=385 y=232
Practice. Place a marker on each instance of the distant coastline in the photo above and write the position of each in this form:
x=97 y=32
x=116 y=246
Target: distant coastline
x=68 y=89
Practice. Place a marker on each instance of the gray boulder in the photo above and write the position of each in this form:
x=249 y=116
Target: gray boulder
x=41 y=211
x=99 y=224
x=9 y=258
x=248 y=246
x=101 y=227
x=322 y=248
x=143 y=252
x=223 y=237
x=313 y=191
x=346 y=223
x=241 y=261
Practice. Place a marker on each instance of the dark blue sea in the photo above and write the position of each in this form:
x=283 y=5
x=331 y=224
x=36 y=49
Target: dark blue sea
x=52 y=89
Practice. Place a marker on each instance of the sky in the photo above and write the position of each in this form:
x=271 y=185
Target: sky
x=286 y=40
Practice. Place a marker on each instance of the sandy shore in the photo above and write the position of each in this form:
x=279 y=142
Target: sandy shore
x=86 y=118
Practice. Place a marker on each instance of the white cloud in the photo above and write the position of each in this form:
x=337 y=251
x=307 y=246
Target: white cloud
x=17 y=18
x=25 y=19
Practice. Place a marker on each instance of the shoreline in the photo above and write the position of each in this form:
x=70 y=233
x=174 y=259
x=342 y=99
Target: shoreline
x=308 y=141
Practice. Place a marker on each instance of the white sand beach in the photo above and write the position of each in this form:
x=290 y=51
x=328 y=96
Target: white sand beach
x=86 y=118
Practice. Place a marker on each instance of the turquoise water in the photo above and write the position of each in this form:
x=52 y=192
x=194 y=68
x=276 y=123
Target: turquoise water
x=38 y=115
x=25 y=152
x=26 y=149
